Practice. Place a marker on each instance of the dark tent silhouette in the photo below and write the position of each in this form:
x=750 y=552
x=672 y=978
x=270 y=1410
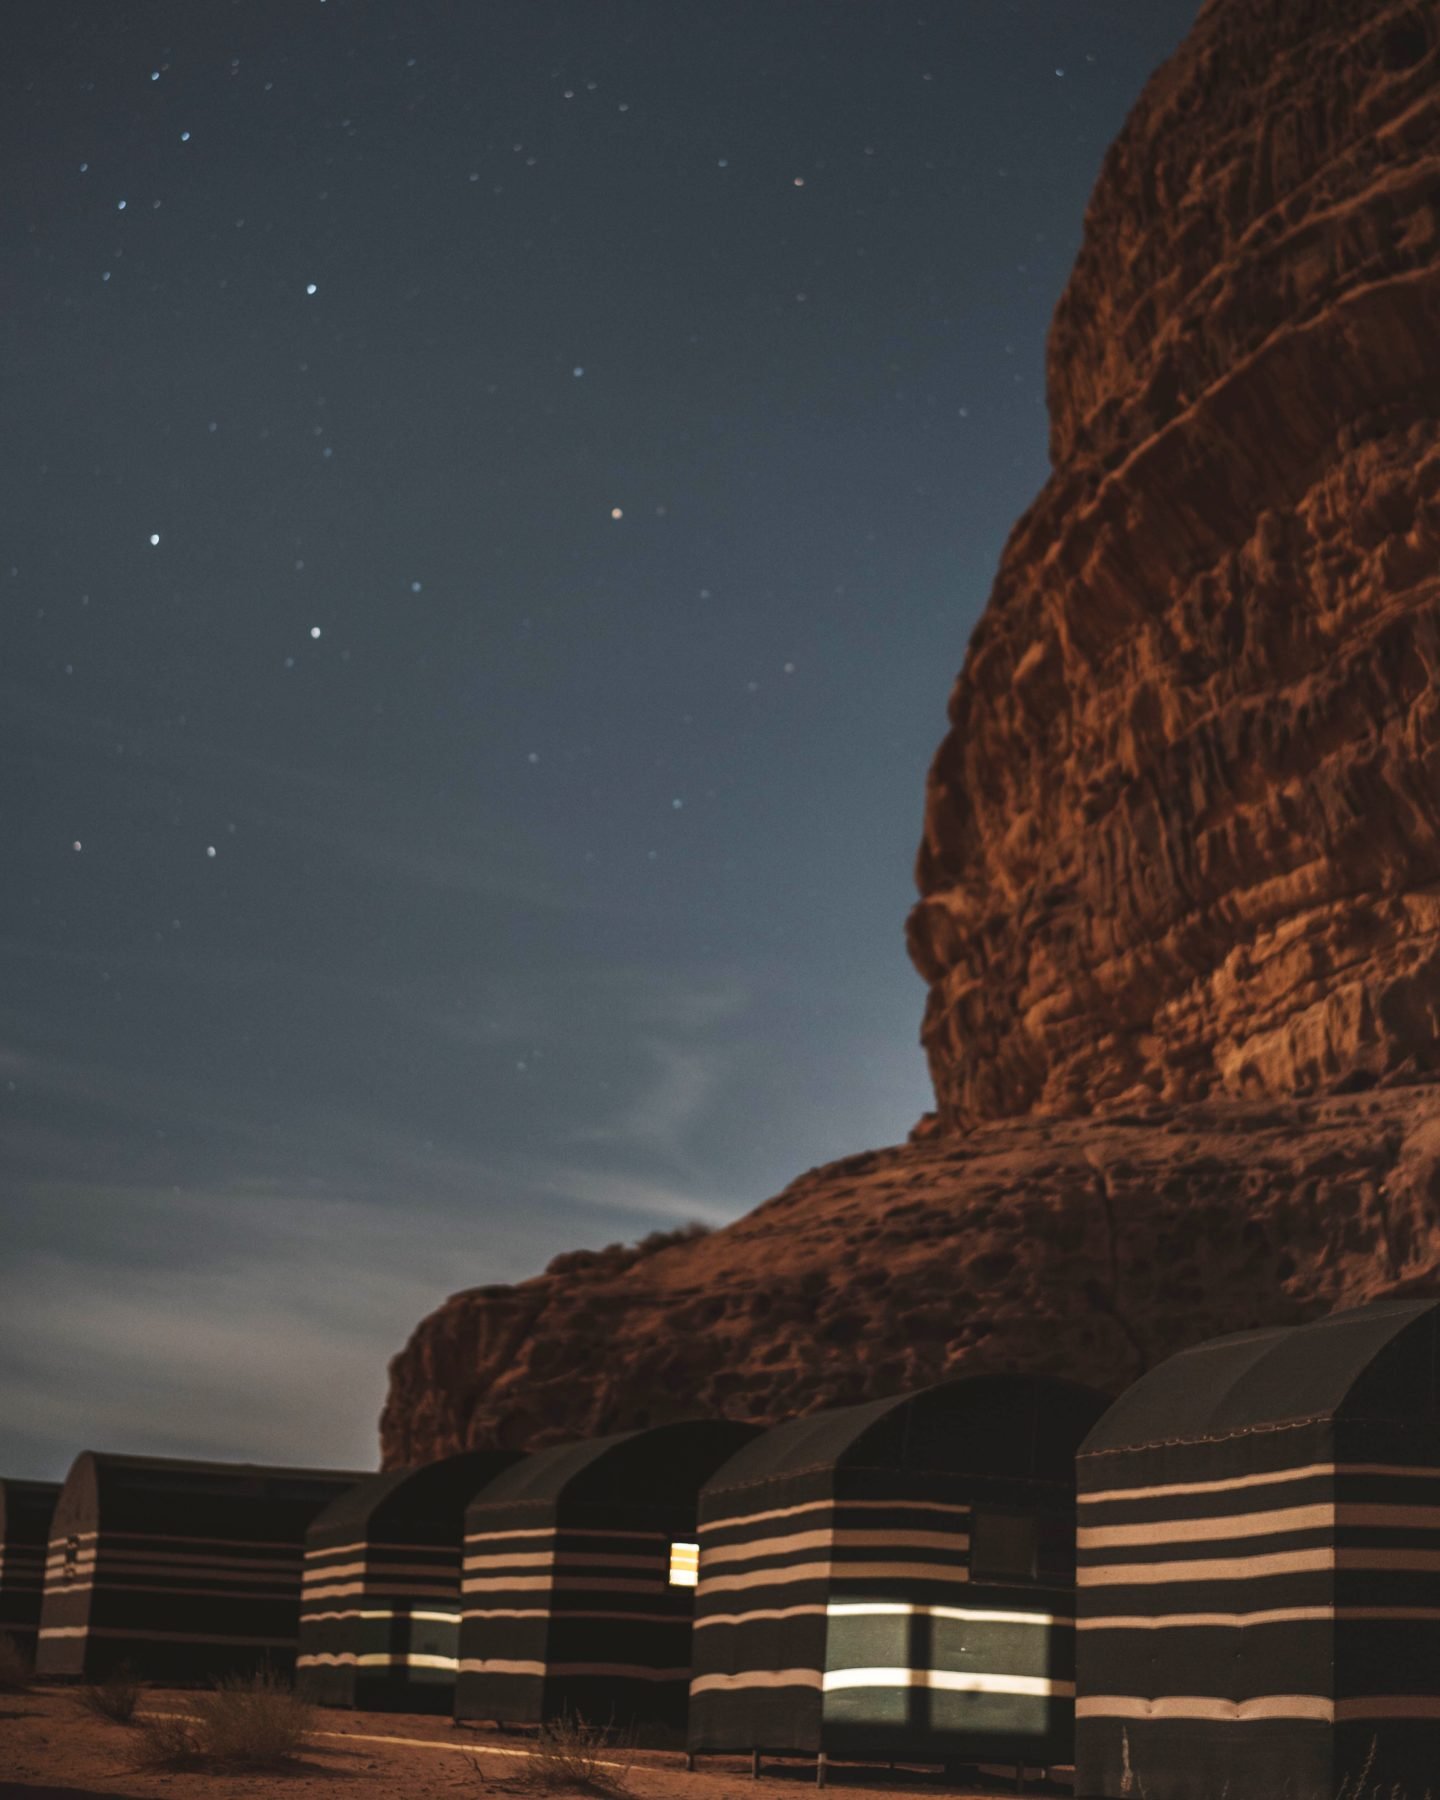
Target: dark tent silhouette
x=579 y=1579
x=1259 y=1566
x=26 y=1508
x=182 y=1570
x=380 y=1610
x=895 y=1581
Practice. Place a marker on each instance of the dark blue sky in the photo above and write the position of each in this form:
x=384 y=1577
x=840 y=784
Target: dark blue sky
x=579 y=438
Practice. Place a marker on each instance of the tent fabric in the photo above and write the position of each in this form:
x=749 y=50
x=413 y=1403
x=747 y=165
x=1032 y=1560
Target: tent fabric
x=567 y=1602
x=182 y=1570
x=895 y=1580
x=1259 y=1565
x=26 y=1508
x=380 y=1606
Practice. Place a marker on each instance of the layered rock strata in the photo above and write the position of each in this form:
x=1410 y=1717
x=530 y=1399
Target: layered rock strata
x=1180 y=878
x=1080 y=1247
x=1183 y=837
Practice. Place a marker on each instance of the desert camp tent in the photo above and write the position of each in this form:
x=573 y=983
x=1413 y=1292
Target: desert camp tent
x=25 y=1511
x=182 y=1570
x=895 y=1581
x=1259 y=1566
x=579 y=1579
x=380 y=1609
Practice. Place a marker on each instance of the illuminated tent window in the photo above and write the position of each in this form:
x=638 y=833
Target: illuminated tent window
x=1003 y=1547
x=684 y=1565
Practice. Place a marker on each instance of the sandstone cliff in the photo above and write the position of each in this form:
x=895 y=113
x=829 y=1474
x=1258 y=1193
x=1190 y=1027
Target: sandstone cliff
x=1090 y=1248
x=1183 y=838
x=1180 y=878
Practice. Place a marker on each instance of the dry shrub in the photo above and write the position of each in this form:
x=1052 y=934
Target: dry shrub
x=571 y=1757
x=113 y=1698
x=15 y=1669
x=243 y=1722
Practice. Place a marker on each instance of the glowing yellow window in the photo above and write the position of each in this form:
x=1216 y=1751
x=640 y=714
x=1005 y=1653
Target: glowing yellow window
x=684 y=1565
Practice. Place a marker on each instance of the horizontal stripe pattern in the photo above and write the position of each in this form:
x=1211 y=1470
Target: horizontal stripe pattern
x=571 y=1616
x=383 y=1609
x=215 y=1591
x=25 y=1512
x=1304 y=1595
x=829 y=1621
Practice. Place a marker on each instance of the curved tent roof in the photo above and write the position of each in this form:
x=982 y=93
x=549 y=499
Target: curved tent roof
x=1372 y=1361
x=436 y=1487
x=661 y=1464
x=995 y=1425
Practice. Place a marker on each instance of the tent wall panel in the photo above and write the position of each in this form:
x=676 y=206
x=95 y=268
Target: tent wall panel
x=380 y=1615
x=183 y=1571
x=26 y=1508
x=568 y=1604
x=842 y=1605
x=1255 y=1579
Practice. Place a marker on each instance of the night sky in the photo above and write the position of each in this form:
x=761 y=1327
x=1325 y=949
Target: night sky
x=493 y=497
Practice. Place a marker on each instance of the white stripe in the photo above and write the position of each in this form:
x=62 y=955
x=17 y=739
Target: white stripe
x=755 y=1678
x=840 y=1536
x=1301 y=1473
x=1270 y=1615
x=760 y=1612
x=378 y=1660
x=508 y=1584
x=951 y=1681
x=382 y=1590
x=443 y=1618
x=1319 y=1517
x=844 y=1609
x=792 y=1512
x=1264 y=1706
x=1209 y=1568
x=785 y=1575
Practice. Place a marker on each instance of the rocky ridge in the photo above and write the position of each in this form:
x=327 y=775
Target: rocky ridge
x=1179 y=909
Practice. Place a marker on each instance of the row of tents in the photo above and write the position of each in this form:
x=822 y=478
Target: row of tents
x=1229 y=1577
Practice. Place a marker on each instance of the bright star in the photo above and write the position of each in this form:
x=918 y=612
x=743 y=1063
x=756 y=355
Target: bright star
x=154 y=537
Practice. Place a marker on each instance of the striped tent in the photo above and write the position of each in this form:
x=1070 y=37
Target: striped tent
x=579 y=1581
x=182 y=1570
x=896 y=1580
x=25 y=1511
x=380 y=1611
x=1259 y=1566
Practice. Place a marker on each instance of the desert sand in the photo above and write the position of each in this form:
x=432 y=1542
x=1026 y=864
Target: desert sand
x=52 y=1749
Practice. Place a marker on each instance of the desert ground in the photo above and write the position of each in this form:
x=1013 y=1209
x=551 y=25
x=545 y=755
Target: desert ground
x=53 y=1749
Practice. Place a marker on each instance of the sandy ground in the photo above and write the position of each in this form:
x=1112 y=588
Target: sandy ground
x=50 y=1749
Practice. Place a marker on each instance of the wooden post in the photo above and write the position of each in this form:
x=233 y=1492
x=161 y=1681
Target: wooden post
x=690 y=1761
x=1019 y=1778
x=820 y=1769
x=754 y=1765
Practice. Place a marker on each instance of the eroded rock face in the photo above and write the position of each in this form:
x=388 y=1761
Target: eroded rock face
x=1180 y=882
x=1089 y=1248
x=1183 y=837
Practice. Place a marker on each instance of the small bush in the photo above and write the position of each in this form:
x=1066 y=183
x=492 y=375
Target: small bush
x=113 y=1698
x=244 y=1722
x=572 y=1757
x=15 y=1670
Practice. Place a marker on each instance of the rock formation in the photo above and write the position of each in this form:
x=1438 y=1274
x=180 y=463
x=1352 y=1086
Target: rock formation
x=1180 y=878
x=1183 y=838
